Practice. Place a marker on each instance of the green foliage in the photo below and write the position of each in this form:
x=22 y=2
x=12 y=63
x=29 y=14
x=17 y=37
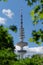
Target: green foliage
x=13 y=28
x=6 y=40
x=37 y=36
x=30 y=2
x=3 y=0
x=37 y=60
x=37 y=15
x=0 y=0
x=7 y=57
x=7 y=54
x=37 y=12
x=25 y=61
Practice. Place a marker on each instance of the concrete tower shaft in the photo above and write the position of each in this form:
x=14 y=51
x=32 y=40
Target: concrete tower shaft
x=21 y=28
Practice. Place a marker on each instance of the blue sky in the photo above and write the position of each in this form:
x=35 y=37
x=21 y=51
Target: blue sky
x=12 y=8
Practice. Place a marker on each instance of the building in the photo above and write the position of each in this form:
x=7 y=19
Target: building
x=21 y=52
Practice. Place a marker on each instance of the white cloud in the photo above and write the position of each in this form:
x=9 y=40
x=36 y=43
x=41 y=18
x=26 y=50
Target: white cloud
x=2 y=20
x=8 y=13
x=33 y=50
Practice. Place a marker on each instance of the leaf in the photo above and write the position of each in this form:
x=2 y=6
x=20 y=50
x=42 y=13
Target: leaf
x=34 y=0
x=0 y=0
x=38 y=43
x=29 y=2
x=32 y=13
x=13 y=28
x=31 y=39
x=41 y=1
x=5 y=0
x=41 y=15
x=35 y=22
x=37 y=8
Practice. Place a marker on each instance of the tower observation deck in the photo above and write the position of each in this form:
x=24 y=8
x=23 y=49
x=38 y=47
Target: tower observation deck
x=22 y=43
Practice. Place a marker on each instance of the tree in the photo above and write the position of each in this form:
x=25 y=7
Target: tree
x=25 y=61
x=37 y=16
x=13 y=28
x=37 y=12
x=6 y=40
x=4 y=0
x=36 y=60
x=7 y=55
x=37 y=36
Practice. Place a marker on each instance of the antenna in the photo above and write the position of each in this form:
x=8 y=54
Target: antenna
x=21 y=28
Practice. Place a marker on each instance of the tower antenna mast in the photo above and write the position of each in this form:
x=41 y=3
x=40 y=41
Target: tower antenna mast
x=21 y=28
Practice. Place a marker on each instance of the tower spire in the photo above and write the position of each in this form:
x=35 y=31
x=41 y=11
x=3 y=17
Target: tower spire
x=21 y=28
x=22 y=43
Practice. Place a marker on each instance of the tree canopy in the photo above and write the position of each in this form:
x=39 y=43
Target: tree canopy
x=7 y=55
x=3 y=0
x=37 y=16
x=37 y=11
x=35 y=60
x=6 y=40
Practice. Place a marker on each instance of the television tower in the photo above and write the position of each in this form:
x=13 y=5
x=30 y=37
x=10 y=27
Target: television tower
x=22 y=43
